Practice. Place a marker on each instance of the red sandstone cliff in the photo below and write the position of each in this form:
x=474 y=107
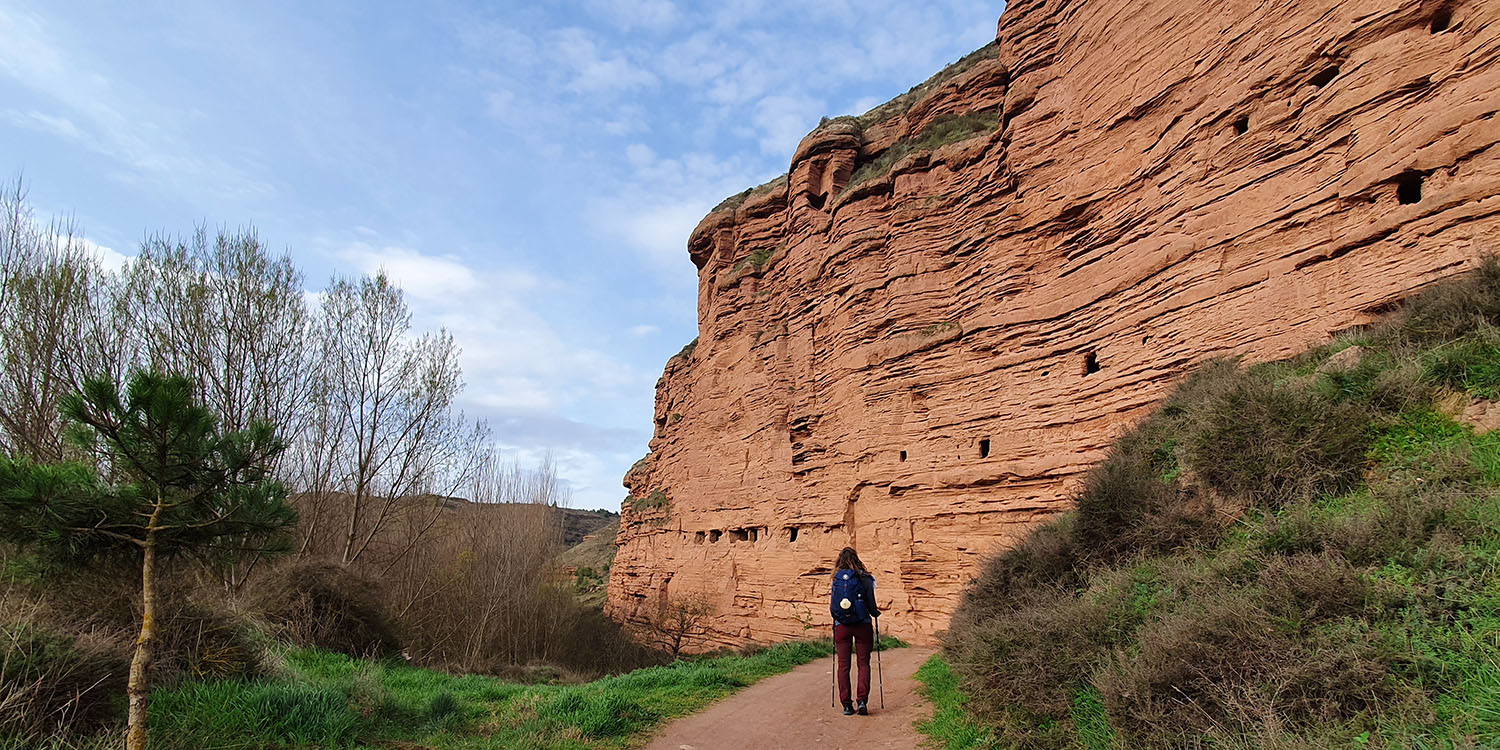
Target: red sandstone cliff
x=920 y=337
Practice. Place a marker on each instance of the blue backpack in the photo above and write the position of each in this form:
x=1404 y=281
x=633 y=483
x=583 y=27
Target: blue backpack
x=848 y=605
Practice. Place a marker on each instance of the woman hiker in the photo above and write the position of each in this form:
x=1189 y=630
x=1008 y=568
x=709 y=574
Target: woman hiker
x=853 y=605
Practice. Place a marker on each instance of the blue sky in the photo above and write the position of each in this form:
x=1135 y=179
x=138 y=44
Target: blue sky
x=529 y=172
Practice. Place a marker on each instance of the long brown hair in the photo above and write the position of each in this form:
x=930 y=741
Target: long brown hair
x=849 y=560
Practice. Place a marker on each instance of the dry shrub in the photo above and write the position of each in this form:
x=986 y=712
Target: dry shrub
x=203 y=634
x=1034 y=657
x=1272 y=443
x=1452 y=309
x=326 y=605
x=200 y=632
x=1407 y=512
x=1175 y=679
x=1127 y=507
x=1309 y=588
x=1232 y=666
x=1046 y=557
x=52 y=681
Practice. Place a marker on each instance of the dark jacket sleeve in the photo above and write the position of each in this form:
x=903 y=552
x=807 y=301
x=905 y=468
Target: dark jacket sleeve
x=870 y=596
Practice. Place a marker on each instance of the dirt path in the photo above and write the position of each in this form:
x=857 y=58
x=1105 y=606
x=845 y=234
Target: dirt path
x=792 y=711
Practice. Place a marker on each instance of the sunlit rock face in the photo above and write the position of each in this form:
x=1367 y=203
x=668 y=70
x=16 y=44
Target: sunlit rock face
x=918 y=340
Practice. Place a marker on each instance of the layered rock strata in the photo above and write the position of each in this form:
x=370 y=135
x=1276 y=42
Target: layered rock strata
x=918 y=339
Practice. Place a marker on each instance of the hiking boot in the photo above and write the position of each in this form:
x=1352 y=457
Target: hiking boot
x=848 y=709
x=864 y=708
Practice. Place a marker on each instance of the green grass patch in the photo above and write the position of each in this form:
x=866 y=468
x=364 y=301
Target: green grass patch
x=951 y=727
x=940 y=132
x=329 y=700
x=653 y=500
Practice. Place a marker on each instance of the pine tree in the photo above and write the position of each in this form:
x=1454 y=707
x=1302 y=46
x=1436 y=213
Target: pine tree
x=164 y=481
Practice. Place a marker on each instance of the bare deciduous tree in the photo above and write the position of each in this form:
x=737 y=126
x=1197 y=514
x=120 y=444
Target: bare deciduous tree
x=55 y=326
x=386 y=402
x=678 y=621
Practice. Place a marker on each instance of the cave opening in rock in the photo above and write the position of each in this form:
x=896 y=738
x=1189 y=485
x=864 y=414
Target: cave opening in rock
x=817 y=200
x=984 y=448
x=740 y=535
x=1441 y=21
x=713 y=536
x=903 y=455
x=1325 y=76
x=792 y=534
x=699 y=537
x=1409 y=188
x=1242 y=124
x=1090 y=363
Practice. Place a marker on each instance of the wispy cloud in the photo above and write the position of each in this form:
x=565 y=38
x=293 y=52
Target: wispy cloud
x=139 y=140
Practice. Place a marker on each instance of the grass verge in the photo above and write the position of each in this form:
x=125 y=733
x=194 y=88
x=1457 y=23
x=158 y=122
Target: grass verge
x=329 y=700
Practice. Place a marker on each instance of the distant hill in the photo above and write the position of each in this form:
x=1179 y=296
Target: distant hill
x=578 y=524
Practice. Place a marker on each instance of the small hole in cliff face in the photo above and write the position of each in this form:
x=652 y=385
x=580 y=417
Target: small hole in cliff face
x=740 y=535
x=792 y=534
x=713 y=536
x=984 y=448
x=1441 y=21
x=698 y=537
x=1409 y=188
x=817 y=200
x=1325 y=76
x=903 y=455
x=1242 y=125
x=1090 y=363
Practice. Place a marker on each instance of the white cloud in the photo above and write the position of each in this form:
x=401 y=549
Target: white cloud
x=100 y=118
x=108 y=258
x=640 y=155
x=595 y=73
x=643 y=331
x=59 y=126
x=783 y=120
x=426 y=277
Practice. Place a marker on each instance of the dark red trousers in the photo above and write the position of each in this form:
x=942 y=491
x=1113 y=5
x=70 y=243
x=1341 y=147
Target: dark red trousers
x=859 y=639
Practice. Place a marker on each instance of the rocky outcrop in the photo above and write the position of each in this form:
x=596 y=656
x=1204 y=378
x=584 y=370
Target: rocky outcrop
x=918 y=339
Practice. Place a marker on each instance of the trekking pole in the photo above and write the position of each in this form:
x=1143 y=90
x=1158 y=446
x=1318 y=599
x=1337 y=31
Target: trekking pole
x=878 y=668
x=833 y=674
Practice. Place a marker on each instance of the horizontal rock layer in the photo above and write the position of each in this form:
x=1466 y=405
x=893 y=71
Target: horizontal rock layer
x=918 y=339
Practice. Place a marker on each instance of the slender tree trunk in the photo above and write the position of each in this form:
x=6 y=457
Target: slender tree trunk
x=138 y=690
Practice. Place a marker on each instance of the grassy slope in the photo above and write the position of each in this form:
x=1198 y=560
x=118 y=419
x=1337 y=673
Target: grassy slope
x=328 y=700
x=1280 y=557
x=591 y=558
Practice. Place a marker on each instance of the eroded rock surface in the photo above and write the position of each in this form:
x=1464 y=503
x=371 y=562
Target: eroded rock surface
x=918 y=339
